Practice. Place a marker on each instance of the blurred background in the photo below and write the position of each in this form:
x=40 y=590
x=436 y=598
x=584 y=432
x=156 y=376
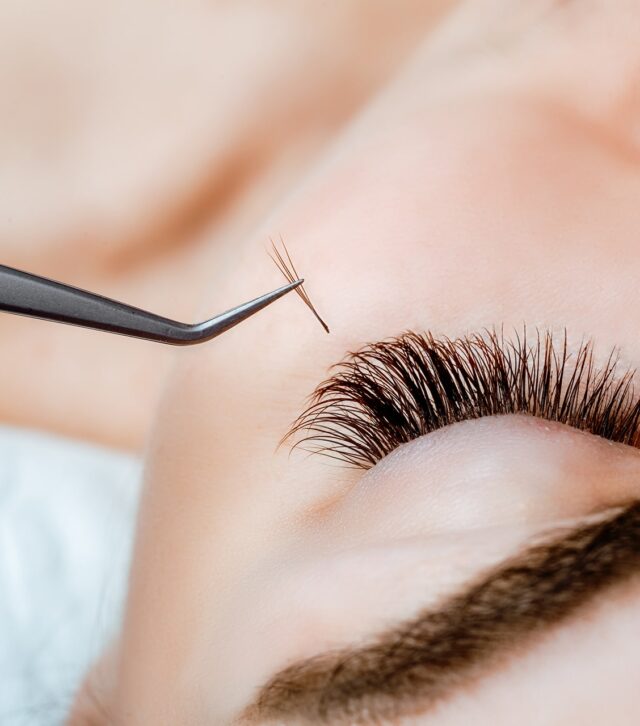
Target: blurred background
x=135 y=135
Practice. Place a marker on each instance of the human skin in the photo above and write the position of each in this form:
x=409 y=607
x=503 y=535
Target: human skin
x=495 y=182
x=180 y=128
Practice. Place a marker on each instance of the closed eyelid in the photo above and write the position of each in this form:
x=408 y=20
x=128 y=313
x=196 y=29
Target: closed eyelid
x=440 y=382
x=416 y=664
x=392 y=392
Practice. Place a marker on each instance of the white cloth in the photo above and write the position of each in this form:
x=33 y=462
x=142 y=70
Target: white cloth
x=67 y=512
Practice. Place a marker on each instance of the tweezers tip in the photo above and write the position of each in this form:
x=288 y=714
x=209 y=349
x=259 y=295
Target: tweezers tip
x=275 y=294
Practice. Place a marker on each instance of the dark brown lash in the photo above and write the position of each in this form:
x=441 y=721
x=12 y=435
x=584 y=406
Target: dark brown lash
x=390 y=393
x=288 y=269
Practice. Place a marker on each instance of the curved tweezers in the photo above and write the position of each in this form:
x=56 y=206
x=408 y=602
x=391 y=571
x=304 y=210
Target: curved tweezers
x=38 y=297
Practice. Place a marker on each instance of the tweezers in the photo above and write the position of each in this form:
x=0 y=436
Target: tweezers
x=38 y=297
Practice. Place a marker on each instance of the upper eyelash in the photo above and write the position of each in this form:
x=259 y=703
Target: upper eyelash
x=391 y=392
x=288 y=269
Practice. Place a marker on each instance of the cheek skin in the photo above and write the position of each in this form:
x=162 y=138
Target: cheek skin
x=219 y=502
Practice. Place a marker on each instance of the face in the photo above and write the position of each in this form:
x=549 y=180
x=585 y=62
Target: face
x=481 y=190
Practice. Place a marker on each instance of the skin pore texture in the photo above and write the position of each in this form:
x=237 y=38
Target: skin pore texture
x=494 y=182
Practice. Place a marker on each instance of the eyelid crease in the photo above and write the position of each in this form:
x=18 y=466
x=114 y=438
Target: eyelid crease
x=392 y=392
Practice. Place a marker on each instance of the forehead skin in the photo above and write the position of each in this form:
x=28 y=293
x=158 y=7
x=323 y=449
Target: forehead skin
x=471 y=194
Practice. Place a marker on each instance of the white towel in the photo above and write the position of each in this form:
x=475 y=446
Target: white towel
x=67 y=513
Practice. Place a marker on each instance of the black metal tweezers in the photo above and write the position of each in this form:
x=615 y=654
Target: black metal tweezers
x=38 y=297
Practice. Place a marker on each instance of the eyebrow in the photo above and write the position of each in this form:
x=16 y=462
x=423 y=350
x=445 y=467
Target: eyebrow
x=417 y=664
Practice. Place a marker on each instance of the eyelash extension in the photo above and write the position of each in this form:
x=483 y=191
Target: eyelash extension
x=392 y=392
x=287 y=268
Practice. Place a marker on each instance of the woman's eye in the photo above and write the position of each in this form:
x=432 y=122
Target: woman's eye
x=392 y=392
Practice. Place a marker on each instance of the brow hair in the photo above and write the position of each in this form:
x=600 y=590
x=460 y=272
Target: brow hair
x=416 y=665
